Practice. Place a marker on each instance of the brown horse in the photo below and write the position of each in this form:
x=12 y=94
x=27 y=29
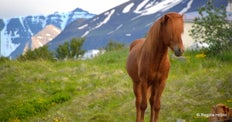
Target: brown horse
x=221 y=113
x=148 y=63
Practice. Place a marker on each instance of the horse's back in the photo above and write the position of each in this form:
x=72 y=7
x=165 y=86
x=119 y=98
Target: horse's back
x=132 y=66
x=136 y=42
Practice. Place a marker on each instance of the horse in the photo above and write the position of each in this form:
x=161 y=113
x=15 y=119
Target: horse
x=221 y=113
x=148 y=63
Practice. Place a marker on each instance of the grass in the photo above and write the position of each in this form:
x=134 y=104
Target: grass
x=100 y=90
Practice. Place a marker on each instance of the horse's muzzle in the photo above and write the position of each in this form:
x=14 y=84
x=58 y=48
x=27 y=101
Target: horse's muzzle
x=178 y=51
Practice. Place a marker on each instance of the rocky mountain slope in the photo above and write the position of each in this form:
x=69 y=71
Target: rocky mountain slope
x=47 y=34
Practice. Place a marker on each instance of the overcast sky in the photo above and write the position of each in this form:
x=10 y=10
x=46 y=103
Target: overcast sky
x=14 y=8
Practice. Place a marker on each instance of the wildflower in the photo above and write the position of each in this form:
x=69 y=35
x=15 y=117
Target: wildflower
x=229 y=101
x=16 y=120
x=201 y=55
x=55 y=119
x=41 y=100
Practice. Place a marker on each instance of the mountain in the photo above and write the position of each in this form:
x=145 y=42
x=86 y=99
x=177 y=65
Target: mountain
x=125 y=22
x=48 y=33
x=17 y=32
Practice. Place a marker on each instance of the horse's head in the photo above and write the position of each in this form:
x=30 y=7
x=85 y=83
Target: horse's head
x=172 y=29
x=221 y=111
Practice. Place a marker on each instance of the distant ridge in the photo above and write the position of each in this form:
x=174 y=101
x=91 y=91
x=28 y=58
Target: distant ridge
x=125 y=22
x=16 y=32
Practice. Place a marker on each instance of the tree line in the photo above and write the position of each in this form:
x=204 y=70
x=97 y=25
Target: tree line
x=68 y=50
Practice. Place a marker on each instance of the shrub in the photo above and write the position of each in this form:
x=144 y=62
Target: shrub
x=62 y=51
x=41 y=53
x=70 y=49
x=212 y=28
x=4 y=59
x=113 y=45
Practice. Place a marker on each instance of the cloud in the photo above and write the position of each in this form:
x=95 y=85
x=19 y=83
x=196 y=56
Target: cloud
x=12 y=8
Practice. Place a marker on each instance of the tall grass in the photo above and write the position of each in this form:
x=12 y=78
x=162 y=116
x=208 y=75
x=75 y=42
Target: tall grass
x=100 y=90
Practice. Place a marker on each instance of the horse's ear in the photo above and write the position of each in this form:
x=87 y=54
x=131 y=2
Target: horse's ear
x=164 y=19
x=182 y=15
x=225 y=108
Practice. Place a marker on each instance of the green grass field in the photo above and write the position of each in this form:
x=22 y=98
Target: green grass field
x=100 y=90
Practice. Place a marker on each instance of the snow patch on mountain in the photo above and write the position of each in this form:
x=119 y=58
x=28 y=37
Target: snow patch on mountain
x=65 y=22
x=107 y=18
x=85 y=34
x=145 y=8
x=95 y=19
x=127 y=8
x=115 y=29
x=187 y=7
x=8 y=43
x=140 y=6
x=108 y=14
x=128 y=34
x=83 y=26
x=161 y=6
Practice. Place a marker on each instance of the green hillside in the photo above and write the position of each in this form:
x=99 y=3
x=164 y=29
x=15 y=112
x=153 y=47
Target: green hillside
x=100 y=90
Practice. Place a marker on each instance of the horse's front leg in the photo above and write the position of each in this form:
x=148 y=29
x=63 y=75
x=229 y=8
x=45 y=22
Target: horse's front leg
x=141 y=100
x=155 y=101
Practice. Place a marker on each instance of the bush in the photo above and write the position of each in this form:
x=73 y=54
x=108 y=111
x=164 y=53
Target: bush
x=70 y=49
x=112 y=45
x=41 y=53
x=4 y=59
x=22 y=110
x=212 y=28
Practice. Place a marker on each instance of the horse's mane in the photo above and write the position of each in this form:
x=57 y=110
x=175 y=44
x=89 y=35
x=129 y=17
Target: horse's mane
x=153 y=32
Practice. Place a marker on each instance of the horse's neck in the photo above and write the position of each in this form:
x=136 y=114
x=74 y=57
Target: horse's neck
x=155 y=48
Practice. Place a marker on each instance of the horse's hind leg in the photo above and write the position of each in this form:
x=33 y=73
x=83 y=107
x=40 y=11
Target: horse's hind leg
x=141 y=100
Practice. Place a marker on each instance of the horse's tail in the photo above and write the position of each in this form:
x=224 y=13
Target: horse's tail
x=135 y=42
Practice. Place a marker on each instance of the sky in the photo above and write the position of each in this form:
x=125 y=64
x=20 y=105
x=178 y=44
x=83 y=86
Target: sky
x=14 y=8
